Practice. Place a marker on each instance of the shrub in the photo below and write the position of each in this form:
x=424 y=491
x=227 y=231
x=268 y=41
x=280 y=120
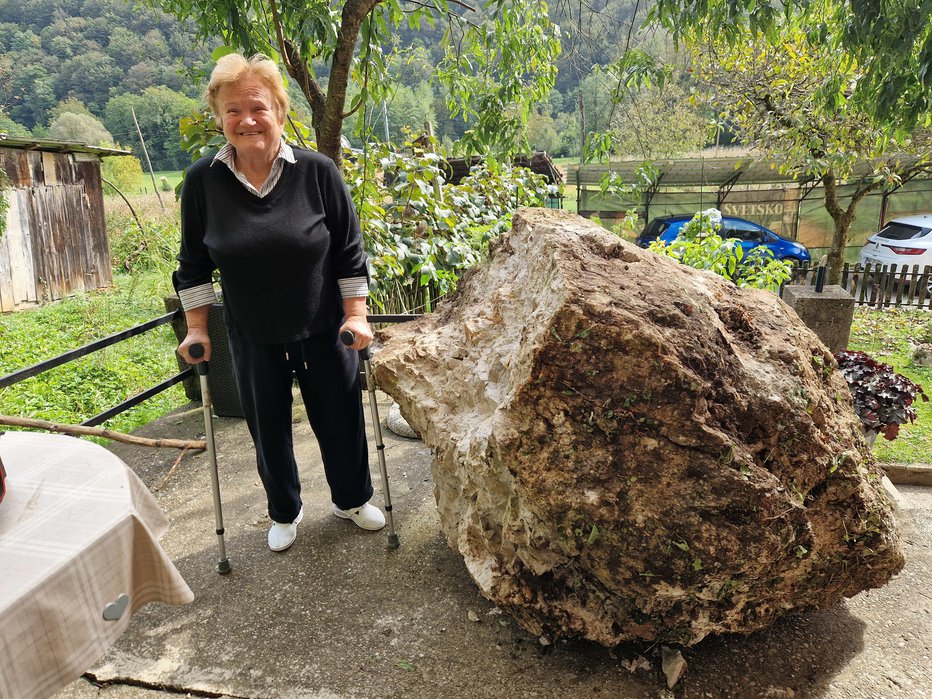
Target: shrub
x=882 y=398
x=698 y=245
x=421 y=233
x=123 y=171
x=152 y=248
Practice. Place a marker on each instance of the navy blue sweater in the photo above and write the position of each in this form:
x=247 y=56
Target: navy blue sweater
x=279 y=256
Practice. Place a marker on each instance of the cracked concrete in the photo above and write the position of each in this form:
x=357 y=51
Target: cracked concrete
x=340 y=616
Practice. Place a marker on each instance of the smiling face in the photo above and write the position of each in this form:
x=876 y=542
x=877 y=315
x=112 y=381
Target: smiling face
x=252 y=120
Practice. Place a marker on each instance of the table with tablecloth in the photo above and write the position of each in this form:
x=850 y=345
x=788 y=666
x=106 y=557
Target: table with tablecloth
x=79 y=553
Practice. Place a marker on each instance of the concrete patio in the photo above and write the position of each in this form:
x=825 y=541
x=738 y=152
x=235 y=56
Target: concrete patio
x=340 y=615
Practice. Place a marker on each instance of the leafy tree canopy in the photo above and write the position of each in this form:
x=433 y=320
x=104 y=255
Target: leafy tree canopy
x=79 y=127
x=90 y=50
x=888 y=43
x=658 y=122
x=773 y=95
x=497 y=61
x=11 y=128
x=158 y=111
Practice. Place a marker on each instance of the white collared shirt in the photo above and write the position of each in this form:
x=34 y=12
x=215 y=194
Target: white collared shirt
x=227 y=156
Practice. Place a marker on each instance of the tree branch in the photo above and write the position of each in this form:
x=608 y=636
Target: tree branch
x=81 y=430
x=298 y=70
x=449 y=14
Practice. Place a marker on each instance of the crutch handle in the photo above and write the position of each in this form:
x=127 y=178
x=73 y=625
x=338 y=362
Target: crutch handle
x=348 y=337
x=197 y=351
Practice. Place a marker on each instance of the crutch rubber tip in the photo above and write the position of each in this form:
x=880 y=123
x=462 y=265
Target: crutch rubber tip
x=224 y=567
x=393 y=541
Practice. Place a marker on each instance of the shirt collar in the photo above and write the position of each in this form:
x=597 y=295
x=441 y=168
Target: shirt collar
x=227 y=153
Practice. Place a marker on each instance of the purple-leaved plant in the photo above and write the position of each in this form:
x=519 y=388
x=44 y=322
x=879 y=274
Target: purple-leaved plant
x=882 y=398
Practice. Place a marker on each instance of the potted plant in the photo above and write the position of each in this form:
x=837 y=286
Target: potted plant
x=882 y=398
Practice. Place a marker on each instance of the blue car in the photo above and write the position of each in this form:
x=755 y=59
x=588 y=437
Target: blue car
x=750 y=235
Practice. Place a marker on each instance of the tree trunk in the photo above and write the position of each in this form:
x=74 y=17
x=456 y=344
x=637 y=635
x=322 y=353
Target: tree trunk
x=330 y=127
x=327 y=113
x=843 y=219
x=840 y=233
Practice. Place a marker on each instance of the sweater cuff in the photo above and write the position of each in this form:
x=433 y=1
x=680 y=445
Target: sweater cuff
x=196 y=296
x=353 y=287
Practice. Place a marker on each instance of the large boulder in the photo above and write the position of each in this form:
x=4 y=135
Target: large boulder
x=628 y=448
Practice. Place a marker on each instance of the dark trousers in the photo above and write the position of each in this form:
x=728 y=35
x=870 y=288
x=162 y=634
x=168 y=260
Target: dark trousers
x=328 y=375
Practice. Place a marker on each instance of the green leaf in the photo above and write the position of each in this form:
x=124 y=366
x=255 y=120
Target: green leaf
x=221 y=51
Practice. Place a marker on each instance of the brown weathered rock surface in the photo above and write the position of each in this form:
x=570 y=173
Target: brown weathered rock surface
x=631 y=449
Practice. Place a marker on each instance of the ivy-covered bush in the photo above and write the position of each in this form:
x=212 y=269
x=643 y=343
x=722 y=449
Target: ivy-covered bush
x=882 y=398
x=422 y=233
x=698 y=245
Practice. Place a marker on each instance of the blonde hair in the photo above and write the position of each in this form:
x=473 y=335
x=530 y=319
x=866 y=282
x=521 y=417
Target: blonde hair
x=233 y=67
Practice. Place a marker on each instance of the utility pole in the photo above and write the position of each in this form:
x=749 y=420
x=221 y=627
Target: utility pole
x=429 y=130
x=388 y=137
x=582 y=129
x=146 y=153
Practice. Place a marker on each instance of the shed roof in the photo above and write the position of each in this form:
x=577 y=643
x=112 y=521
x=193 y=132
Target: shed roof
x=7 y=141
x=709 y=172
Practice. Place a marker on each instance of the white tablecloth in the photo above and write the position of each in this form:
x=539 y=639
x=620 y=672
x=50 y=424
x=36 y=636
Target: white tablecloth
x=78 y=529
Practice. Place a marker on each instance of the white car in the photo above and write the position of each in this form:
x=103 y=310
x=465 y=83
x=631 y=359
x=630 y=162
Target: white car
x=903 y=241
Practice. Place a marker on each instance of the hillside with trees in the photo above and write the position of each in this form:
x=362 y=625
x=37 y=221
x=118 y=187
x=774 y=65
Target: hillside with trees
x=71 y=69
x=104 y=58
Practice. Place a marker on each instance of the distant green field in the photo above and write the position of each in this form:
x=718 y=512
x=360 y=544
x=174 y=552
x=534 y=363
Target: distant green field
x=569 y=160
x=172 y=176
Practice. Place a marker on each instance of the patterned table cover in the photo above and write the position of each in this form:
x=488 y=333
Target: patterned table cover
x=79 y=553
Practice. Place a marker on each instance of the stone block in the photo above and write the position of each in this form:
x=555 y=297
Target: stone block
x=828 y=313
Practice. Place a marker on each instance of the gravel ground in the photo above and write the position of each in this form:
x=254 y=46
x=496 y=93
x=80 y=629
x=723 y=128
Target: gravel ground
x=341 y=616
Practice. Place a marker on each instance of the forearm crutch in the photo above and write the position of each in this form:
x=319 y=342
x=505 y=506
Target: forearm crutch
x=197 y=351
x=348 y=338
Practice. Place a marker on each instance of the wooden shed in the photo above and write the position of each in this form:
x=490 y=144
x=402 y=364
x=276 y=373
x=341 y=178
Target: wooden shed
x=55 y=239
x=539 y=163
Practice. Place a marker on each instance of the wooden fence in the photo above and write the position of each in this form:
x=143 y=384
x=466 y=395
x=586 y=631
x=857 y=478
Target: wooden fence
x=880 y=286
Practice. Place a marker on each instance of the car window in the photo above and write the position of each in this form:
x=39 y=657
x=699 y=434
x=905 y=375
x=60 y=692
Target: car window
x=655 y=228
x=741 y=230
x=903 y=231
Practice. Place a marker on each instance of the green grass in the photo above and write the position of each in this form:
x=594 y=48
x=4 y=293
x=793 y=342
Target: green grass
x=145 y=182
x=81 y=389
x=886 y=335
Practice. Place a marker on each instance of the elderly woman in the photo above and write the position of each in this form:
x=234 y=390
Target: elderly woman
x=279 y=224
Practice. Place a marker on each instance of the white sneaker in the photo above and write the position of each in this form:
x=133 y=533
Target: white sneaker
x=366 y=516
x=281 y=536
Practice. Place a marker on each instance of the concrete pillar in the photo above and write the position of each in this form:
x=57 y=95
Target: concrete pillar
x=828 y=313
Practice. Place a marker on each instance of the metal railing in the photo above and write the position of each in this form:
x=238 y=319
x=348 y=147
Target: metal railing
x=115 y=338
x=96 y=346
